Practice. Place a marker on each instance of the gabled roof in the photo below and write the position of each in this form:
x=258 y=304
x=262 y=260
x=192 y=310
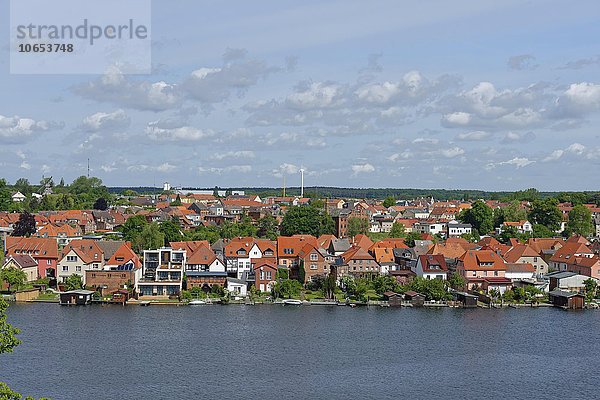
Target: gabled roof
x=356 y=253
x=545 y=244
x=518 y=251
x=569 y=250
x=123 y=255
x=363 y=241
x=87 y=249
x=189 y=246
x=472 y=259
x=520 y=267
x=110 y=247
x=22 y=261
x=290 y=246
x=390 y=243
x=266 y=244
x=433 y=263
x=52 y=230
x=448 y=250
x=324 y=240
x=203 y=255
x=264 y=262
x=36 y=247
x=237 y=244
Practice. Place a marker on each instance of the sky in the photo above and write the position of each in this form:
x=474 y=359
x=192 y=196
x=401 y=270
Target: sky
x=492 y=95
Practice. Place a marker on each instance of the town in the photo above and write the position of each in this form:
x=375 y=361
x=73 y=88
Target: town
x=78 y=244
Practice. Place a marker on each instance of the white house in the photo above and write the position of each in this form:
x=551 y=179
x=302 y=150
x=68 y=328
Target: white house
x=457 y=229
x=431 y=267
x=18 y=197
x=162 y=272
x=237 y=287
x=522 y=226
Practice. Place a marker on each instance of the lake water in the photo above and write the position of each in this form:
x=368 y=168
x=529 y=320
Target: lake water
x=309 y=352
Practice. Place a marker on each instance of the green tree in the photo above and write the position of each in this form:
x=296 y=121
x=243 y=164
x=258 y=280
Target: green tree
x=287 y=288
x=22 y=185
x=432 y=289
x=177 y=201
x=542 y=231
x=480 y=216
x=74 y=282
x=580 y=221
x=357 y=226
x=398 y=230
x=456 y=281
x=591 y=288
x=513 y=212
x=133 y=227
x=386 y=283
x=546 y=212
x=210 y=233
x=5 y=196
x=329 y=286
x=25 y=226
x=411 y=237
x=150 y=238
x=13 y=276
x=389 y=201
x=306 y=220
x=268 y=227
x=170 y=231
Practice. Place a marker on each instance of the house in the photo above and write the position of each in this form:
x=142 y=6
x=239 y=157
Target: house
x=569 y=300
x=162 y=272
x=466 y=299
x=567 y=281
x=431 y=227
x=525 y=254
x=265 y=274
x=357 y=262
x=314 y=262
x=457 y=229
x=237 y=287
x=237 y=256
x=77 y=257
x=43 y=250
x=416 y=299
x=393 y=299
x=337 y=247
x=483 y=269
x=204 y=270
x=569 y=254
x=113 y=278
x=520 y=271
x=63 y=234
x=522 y=226
x=25 y=263
x=431 y=267
x=289 y=247
x=18 y=197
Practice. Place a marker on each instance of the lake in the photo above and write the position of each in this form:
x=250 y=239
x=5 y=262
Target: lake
x=308 y=352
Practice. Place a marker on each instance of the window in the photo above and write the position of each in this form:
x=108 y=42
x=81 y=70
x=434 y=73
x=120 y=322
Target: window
x=314 y=257
x=495 y=273
x=78 y=268
x=313 y=266
x=288 y=251
x=269 y=276
x=65 y=268
x=48 y=262
x=72 y=258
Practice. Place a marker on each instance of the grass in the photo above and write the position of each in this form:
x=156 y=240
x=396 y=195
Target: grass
x=48 y=296
x=376 y=237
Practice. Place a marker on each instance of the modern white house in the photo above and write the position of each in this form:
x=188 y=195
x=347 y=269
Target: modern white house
x=162 y=272
x=457 y=229
x=431 y=267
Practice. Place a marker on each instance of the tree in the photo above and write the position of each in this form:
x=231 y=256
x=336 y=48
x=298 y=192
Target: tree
x=25 y=226
x=411 y=237
x=546 y=212
x=5 y=196
x=133 y=227
x=287 y=288
x=513 y=212
x=268 y=227
x=389 y=201
x=480 y=216
x=432 y=289
x=398 y=230
x=329 y=286
x=306 y=220
x=357 y=226
x=170 y=231
x=177 y=201
x=541 y=231
x=456 y=281
x=74 y=282
x=590 y=289
x=150 y=238
x=385 y=283
x=580 y=221
x=13 y=276
x=23 y=186
x=100 y=204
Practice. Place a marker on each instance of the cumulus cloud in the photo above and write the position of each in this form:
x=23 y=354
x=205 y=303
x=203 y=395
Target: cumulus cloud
x=18 y=130
x=101 y=121
x=362 y=169
x=518 y=162
x=116 y=88
x=159 y=132
x=582 y=63
x=452 y=152
x=517 y=137
x=574 y=152
x=522 y=62
x=233 y=155
x=474 y=136
x=164 y=167
x=241 y=169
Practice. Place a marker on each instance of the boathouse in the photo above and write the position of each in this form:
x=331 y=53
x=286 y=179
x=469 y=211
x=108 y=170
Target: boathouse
x=76 y=297
x=569 y=300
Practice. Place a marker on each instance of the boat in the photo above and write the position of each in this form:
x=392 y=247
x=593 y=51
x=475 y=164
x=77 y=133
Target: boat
x=292 y=302
x=144 y=303
x=197 y=302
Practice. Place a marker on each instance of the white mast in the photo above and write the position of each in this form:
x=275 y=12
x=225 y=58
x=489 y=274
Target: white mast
x=301 y=182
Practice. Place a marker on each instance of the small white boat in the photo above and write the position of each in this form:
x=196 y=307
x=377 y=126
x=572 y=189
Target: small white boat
x=197 y=303
x=292 y=302
x=144 y=303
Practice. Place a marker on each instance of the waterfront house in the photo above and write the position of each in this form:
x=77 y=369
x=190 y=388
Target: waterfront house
x=162 y=272
x=483 y=269
x=289 y=247
x=431 y=267
x=237 y=287
x=357 y=262
x=25 y=263
x=204 y=270
x=79 y=256
x=43 y=250
x=567 y=281
x=314 y=262
x=238 y=256
x=113 y=278
x=265 y=274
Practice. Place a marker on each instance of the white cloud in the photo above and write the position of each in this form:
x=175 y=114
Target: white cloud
x=106 y=121
x=555 y=155
x=405 y=155
x=18 y=130
x=452 y=152
x=179 y=134
x=474 y=136
x=362 y=168
x=585 y=94
x=233 y=155
x=241 y=169
x=516 y=137
x=522 y=62
x=25 y=165
x=519 y=162
x=458 y=118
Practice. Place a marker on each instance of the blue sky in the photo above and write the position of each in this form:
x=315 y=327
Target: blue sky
x=463 y=94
